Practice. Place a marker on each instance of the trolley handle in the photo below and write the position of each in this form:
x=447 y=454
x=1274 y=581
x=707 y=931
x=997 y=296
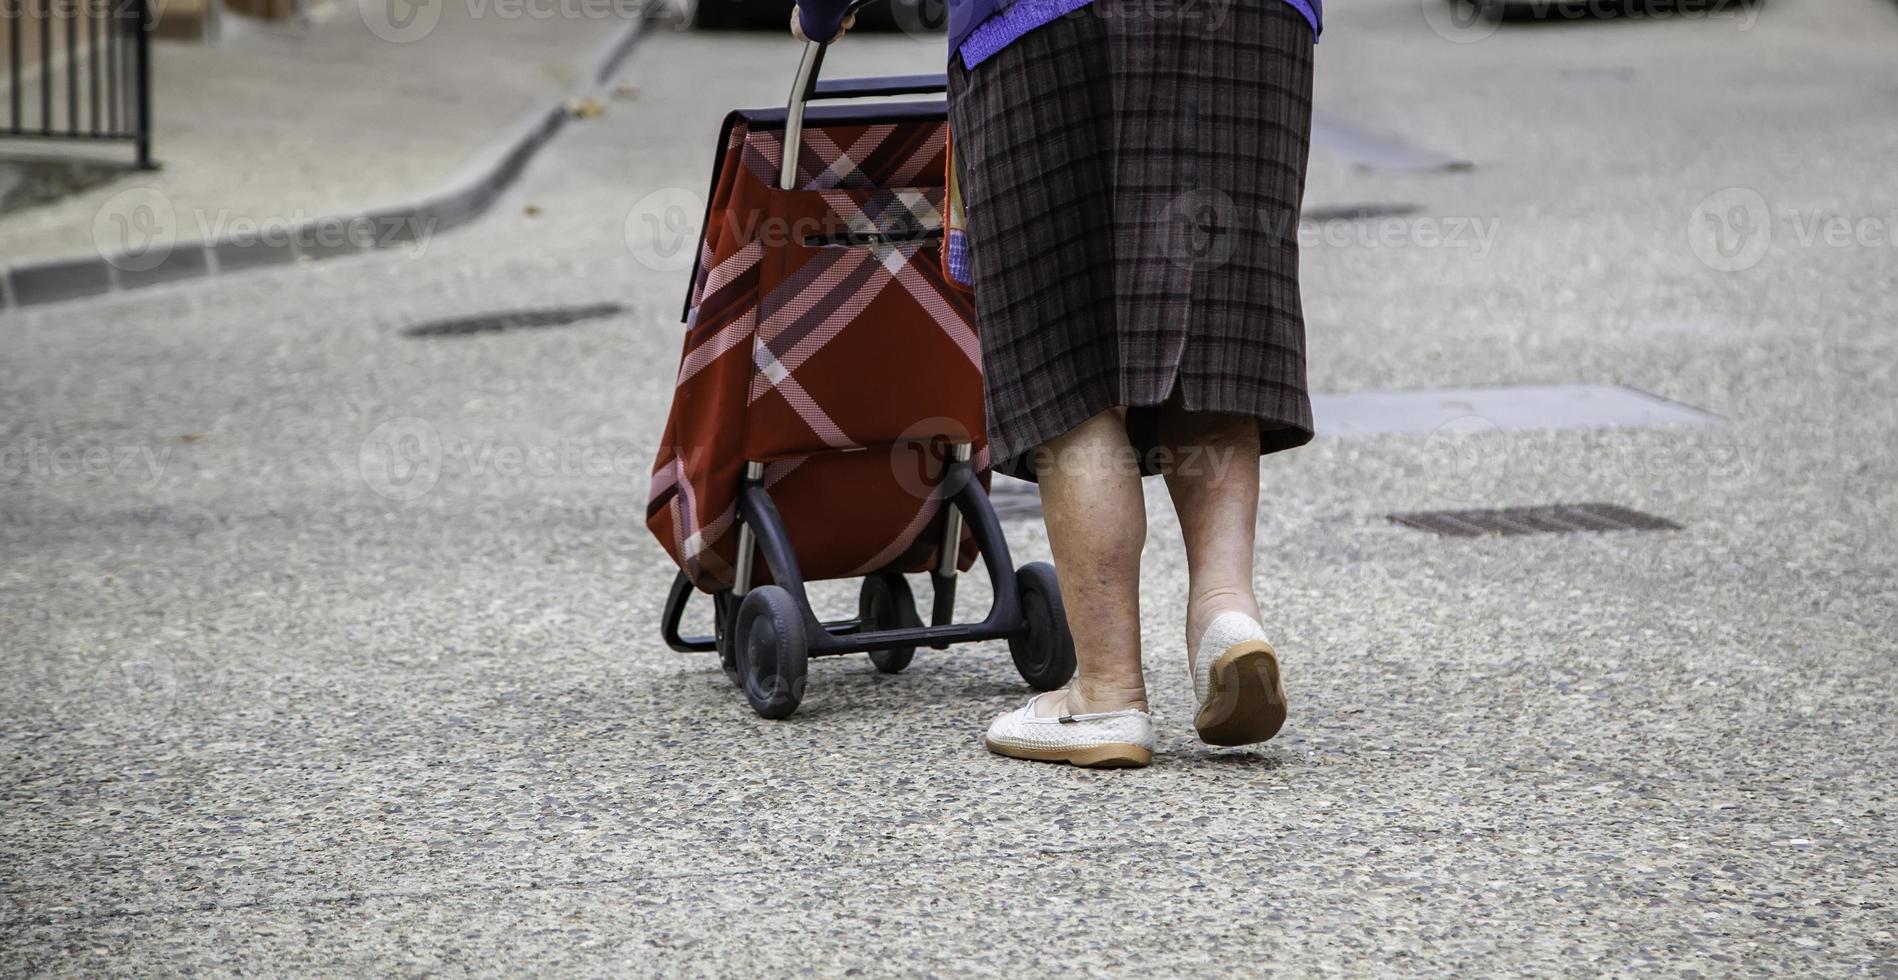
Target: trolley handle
x=865 y=88
x=805 y=88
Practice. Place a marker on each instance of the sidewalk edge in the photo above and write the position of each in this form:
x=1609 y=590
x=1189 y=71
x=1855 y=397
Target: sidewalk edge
x=464 y=196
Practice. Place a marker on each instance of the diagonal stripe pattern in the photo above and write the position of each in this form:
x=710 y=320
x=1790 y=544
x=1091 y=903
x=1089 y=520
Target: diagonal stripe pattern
x=822 y=339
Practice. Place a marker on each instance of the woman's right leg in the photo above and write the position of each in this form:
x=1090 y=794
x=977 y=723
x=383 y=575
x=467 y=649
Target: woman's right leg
x=1213 y=478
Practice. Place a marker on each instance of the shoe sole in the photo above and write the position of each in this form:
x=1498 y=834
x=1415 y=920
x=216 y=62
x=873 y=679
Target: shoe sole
x=1245 y=703
x=1111 y=755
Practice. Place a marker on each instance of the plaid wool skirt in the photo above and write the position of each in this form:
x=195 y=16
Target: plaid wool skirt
x=1133 y=174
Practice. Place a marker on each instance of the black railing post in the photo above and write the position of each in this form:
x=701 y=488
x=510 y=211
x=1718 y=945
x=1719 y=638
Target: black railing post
x=16 y=22
x=46 y=67
x=144 y=26
x=112 y=86
x=71 y=8
x=92 y=59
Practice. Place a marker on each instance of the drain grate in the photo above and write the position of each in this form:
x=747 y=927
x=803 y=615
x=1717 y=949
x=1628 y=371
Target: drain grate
x=1548 y=519
x=1359 y=212
x=557 y=316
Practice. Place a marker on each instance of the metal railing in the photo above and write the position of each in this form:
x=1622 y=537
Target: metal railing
x=93 y=79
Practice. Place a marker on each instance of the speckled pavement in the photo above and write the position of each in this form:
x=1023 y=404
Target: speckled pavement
x=272 y=705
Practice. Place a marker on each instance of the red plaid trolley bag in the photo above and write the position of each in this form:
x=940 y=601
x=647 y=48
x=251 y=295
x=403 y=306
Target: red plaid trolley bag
x=828 y=417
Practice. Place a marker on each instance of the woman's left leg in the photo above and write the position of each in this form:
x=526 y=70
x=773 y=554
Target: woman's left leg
x=1097 y=527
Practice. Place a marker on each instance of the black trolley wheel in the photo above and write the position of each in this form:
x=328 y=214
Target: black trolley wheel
x=769 y=649
x=1044 y=649
x=884 y=603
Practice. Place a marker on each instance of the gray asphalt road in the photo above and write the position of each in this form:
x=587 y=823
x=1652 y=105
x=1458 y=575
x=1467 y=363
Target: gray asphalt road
x=269 y=706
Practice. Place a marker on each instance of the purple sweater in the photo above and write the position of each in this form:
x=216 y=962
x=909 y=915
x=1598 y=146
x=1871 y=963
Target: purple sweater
x=979 y=28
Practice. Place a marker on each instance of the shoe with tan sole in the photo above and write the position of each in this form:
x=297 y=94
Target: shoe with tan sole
x=1236 y=680
x=1108 y=739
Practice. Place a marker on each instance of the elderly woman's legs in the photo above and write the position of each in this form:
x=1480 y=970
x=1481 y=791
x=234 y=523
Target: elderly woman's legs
x=1097 y=525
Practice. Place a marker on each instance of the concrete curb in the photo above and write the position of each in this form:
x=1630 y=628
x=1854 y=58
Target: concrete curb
x=465 y=196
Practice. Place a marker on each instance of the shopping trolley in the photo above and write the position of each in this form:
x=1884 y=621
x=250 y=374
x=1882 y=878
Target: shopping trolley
x=827 y=422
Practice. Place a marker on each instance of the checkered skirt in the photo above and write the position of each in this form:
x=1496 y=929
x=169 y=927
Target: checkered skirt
x=1133 y=174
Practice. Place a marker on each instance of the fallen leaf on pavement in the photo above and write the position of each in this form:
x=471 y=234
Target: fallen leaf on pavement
x=587 y=108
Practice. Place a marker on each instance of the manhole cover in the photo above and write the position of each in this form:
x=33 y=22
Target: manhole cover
x=558 y=316
x=1450 y=411
x=1550 y=519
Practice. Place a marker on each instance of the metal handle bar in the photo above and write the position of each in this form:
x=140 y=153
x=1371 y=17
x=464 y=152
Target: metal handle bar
x=804 y=88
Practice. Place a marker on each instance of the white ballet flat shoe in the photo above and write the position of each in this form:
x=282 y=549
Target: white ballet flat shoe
x=1106 y=739
x=1236 y=681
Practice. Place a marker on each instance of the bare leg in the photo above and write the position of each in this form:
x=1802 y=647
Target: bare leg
x=1097 y=525
x=1213 y=477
